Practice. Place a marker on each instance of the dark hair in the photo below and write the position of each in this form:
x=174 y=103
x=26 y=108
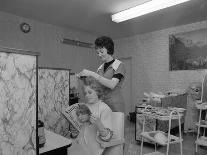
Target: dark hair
x=83 y=109
x=95 y=85
x=106 y=42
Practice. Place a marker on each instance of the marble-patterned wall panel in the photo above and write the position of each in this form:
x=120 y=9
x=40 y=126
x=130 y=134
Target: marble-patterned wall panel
x=17 y=104
x=53 y=95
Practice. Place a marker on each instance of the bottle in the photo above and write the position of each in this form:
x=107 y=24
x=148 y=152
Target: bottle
x=41 y=134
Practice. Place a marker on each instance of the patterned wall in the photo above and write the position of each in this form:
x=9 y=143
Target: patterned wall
x=53 y=95
x=17 y=104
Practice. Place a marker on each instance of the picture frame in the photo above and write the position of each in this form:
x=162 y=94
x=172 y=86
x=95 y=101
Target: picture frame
x=187 y=50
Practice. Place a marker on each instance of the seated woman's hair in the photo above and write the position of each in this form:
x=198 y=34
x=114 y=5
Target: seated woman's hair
x=83 y=109
x=95 y=85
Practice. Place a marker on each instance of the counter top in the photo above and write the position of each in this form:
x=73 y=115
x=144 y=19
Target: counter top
x=54 y=141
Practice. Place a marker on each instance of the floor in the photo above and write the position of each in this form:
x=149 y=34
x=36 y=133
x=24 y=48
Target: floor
x=132 y=147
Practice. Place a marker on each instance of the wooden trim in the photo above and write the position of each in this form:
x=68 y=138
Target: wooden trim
x=37 y=140
x=53 y=68
x=18 y=51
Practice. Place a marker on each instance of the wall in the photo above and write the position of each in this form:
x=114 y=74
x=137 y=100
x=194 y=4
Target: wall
x=45 y=39
x=149 y=52
x=150 y=62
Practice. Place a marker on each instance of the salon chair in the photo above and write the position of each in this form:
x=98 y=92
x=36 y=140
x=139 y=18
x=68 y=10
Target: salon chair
x=116 y=145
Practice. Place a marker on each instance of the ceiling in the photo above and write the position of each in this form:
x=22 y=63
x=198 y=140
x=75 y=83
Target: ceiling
x=94 y=16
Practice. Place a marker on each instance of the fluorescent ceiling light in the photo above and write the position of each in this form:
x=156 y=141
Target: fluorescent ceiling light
x=144 y=8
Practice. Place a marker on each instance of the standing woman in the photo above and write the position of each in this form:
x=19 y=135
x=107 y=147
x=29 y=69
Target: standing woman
x=110 y=74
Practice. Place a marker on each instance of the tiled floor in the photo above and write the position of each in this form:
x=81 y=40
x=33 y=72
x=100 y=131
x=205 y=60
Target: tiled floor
x=133 y=148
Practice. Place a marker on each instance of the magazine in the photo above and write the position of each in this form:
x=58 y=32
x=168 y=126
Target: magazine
x=70 y=114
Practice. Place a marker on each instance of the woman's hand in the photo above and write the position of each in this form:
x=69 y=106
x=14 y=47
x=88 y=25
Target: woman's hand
x=103 y=132
x=110 y=83
x=86 y=72
x=97 y=122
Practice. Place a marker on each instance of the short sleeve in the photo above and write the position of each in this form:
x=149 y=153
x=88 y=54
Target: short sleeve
x=118 y=76
x=121 y=69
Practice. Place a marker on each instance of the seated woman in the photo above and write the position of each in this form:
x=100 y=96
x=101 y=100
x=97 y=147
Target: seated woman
x=97 y=122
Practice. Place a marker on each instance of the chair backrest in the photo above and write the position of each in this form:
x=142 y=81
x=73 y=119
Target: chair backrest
x=116 y=146
x=204 y=90
x=118 y=123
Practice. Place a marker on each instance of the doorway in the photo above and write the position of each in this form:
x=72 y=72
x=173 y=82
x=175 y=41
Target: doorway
x=127 y=85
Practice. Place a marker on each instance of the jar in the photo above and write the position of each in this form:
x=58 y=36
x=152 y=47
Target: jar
x=41 y=134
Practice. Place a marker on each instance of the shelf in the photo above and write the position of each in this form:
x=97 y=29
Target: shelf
x=202 y=124
x=155 y=153
x=150 y=135
x=201 y=141
x=201 y=106
x=163 y=118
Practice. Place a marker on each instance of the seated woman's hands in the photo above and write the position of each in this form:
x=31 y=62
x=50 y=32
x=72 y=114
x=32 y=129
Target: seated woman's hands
x=97 y=122
x=104 y=133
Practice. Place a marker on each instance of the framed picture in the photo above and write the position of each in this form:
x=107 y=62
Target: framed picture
x=188 y=51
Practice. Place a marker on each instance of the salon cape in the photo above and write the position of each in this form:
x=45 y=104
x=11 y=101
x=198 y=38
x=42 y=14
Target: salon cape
x=86 y=143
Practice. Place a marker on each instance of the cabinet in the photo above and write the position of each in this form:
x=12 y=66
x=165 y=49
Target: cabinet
x=166 y=115
x=73 y=100
x=202 y=124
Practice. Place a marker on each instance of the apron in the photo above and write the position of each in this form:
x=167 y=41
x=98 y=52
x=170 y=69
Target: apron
x=113 y=97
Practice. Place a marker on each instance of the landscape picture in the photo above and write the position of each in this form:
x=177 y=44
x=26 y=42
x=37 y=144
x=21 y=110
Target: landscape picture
x=188 y=51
